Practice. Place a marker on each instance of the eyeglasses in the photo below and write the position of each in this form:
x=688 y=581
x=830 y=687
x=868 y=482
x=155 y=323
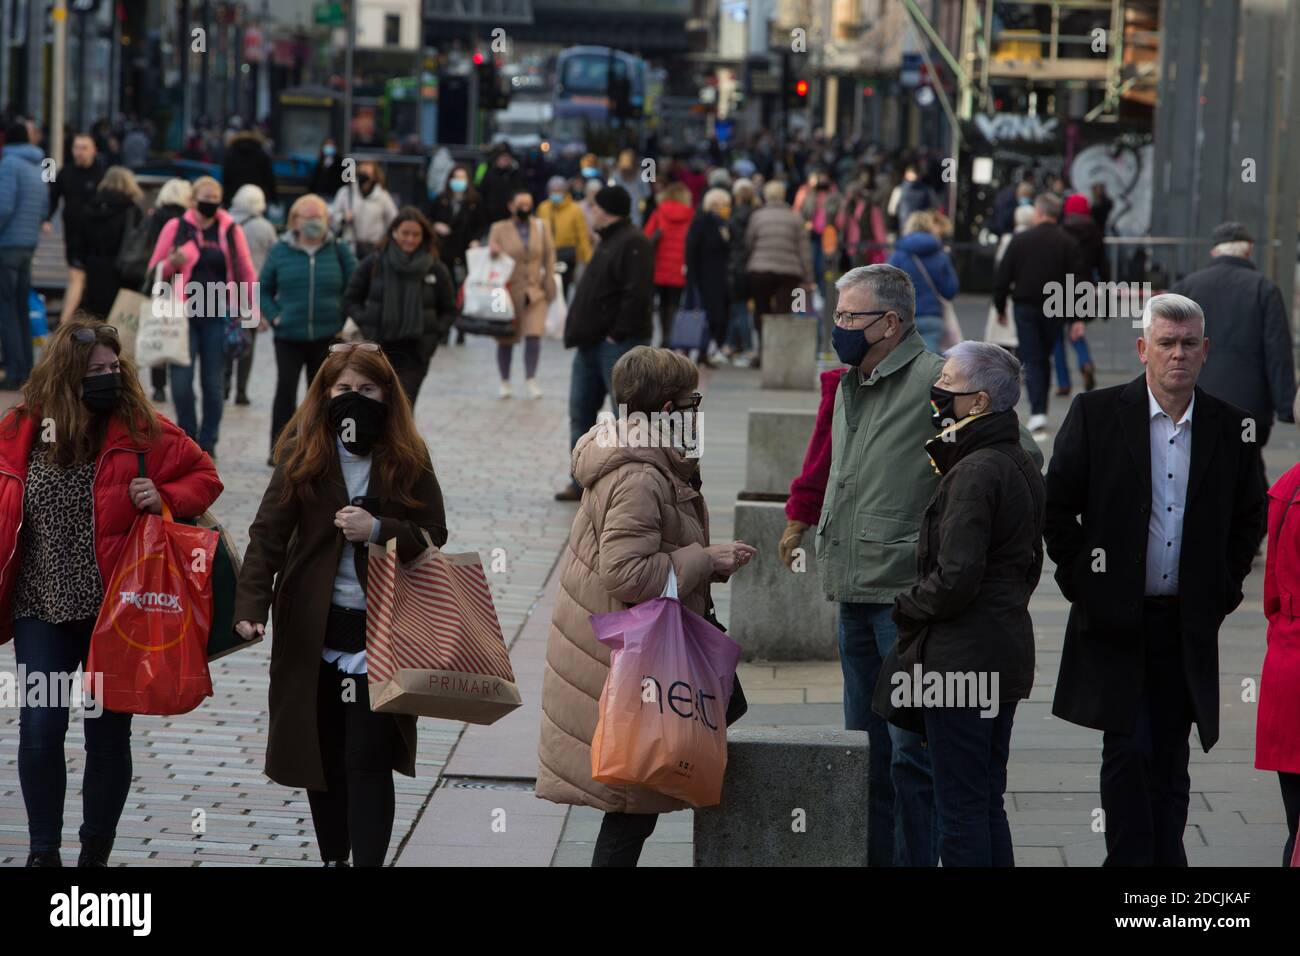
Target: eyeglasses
x=86 y=336
x=849 y=319
x=349 y=346
x=691 y=403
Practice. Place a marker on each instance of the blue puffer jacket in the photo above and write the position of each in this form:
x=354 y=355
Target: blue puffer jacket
x=928 y=249
x=24 y=196
x=302 y=295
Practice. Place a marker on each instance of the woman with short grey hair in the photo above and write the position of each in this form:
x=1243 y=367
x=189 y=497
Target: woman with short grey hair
x=966 y=620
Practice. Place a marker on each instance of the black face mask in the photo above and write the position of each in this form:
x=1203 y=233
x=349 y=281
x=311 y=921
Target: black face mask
x=943 y=404
x=208 y=209
x=523 y=214
x=102 y=393
x=364 y=182
x=358 y=421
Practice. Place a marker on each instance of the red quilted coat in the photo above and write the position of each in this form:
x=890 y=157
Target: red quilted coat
x=183 y=474
x=671 y=220
x=1277 y=727
x=809 y=486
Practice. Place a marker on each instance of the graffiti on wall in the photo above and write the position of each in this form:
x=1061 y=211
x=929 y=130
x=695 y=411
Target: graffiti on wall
x=1127 y=172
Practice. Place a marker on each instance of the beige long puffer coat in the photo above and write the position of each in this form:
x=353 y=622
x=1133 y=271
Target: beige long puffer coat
x=639 y=516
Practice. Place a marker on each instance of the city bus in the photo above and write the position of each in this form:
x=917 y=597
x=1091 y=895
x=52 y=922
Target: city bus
x=582 y=106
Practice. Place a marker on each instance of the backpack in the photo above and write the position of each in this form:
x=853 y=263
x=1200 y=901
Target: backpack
x=132 y=262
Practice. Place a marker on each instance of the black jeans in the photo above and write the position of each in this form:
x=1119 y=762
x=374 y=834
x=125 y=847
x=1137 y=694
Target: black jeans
x=409 y=366
x=621 y=837
x=1291 y=802
x=357 y=747
x=290 y=359
x=1145 y=785
x=239 y=368
x=670 y=297
x=773 y=294
x=59 y=649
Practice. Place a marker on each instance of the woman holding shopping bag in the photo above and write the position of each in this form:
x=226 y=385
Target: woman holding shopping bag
x=350 y=469
x=69 y=493
x=641 y=519
x=527 y=240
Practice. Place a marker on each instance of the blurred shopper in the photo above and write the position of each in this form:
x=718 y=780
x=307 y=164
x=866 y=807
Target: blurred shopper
x=205 y=247
x=1101 y=206
x=740 y=325
x=629 y=175
x=1000 y=327
x=667 y=228
x=921 y=255
x=818 y=204
x=1035 y=260
x=457 y=217
x=401 y=297
x=302 y=284
x=609 y=314
x=568 y=227
x=248 y=209
x=24 y=201
x=861 y=226
x=1246 y=319
x=112 y=213
x=68 y=506
x=641 y=519
x=589 y=189
x=911 y=195
x=247 y=161
x=307 y=556
x=173 y=199
x=362 y=211
x=528 y=241
x=979 y=557
x=75 y=185
x=500 y=183
x=708 y=257
x=1080 y=224
x=778 y=256
x=327 y=176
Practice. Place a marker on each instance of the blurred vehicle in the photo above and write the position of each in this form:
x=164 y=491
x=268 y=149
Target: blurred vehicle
x=597 y=89
x=523 y=124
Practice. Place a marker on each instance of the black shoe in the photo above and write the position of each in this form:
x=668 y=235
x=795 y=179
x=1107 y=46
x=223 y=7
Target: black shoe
x=242 y=399
x=337 y=863
x=570 y=493
x=95 y=853
x=44 y=858
x=160 y=395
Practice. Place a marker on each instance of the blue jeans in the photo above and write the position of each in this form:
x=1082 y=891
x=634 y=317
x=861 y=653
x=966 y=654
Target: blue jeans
x=59 y=649
x=901 y=828
x=208 y=352
x=589 y=385
x=930 y=328
x=1037 y=334
x=970 y=753
x=1081 y=353
x=15 y=323
x=740 y=330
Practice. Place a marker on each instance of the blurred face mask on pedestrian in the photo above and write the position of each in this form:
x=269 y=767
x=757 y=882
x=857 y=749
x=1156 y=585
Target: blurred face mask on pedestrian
x=1173 y=353
x=311 y=225
x=408 y=236
x=329 y=150
x=207 y=201
x=101 y=388
x=459 y=183
x=590 y=172
x=557 y=198
x=724 y=212
x=522 y=207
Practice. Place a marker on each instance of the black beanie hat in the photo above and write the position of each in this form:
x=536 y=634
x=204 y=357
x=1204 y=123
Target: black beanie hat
x=614 y=200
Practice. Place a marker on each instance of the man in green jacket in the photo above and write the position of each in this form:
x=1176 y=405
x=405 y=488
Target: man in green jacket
x=881 y=480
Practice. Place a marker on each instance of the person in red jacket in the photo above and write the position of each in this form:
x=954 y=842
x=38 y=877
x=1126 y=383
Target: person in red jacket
x=1277 y=726
x=667 y=228
x=70 y=489
x=804 y=505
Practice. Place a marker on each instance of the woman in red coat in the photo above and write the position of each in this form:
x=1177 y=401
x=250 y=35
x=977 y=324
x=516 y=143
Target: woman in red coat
x=69 y=493
x=1277 y=728
x=667 y=228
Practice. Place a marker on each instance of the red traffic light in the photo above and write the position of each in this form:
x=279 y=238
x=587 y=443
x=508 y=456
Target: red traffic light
x=478 y=58
x=801 y=88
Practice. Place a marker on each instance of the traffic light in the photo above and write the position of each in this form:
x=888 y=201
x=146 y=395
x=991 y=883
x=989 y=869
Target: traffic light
x=796 y=94
x=490 y=94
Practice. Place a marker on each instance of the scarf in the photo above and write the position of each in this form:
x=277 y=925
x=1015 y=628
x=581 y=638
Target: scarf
x=403 y=285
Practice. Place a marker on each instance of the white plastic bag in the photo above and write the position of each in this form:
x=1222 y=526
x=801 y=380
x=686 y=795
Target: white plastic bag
x=163 y=332
x=670 y=589
x=486 y=296
x=557 y=312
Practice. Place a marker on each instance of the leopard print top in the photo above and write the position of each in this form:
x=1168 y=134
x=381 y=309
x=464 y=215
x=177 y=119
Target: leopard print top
x=59 y=577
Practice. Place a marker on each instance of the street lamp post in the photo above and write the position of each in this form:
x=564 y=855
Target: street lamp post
x=348 y=49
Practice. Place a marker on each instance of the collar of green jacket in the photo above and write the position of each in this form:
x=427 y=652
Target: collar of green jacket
x=908 y=348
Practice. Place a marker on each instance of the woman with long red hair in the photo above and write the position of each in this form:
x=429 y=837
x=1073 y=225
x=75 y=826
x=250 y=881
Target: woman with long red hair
x=350 y=469
x=70 y=490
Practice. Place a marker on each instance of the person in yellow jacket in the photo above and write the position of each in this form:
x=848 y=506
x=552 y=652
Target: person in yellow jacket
x=568 y=226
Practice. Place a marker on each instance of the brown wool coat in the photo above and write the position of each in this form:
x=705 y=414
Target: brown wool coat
x=292 y=558
x=638 y=517
x=532 y=283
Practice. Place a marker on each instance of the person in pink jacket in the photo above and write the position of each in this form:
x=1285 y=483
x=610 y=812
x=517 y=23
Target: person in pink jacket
x=205 y=256
x=808 y=489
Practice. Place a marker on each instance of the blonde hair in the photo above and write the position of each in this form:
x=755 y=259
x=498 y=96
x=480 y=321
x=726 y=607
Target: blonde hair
x=119 y=179
x=742 y=190
x=920 y=221
x=204 y=181
x=301 y=203
x=774 y=191
x=677 y=192
x=715 y=199
x=646 y=378
x=175 y=192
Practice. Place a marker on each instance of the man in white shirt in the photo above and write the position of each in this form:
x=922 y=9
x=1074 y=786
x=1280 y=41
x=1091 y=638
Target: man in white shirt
x=1154 y=508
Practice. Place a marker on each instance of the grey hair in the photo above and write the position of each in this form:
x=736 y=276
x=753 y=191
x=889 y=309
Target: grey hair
x=774 y=191
x=1239 y=248
x=715 y=199
x=177 y=192
x=1174 y=307
x=891 y=286
x=989 y=368
x=1049 y=205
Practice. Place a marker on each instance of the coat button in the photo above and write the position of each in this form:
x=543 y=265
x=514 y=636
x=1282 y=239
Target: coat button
x=835 y=540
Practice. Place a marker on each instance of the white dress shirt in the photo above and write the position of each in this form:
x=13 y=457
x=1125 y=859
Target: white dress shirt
x=347 y=587
x=1171 y=458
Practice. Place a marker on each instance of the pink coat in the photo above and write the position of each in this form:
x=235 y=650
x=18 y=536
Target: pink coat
x=239 y=261
x=1277 y=727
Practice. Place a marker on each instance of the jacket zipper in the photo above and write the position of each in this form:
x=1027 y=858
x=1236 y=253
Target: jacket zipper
x=22 y=498
x=311 y=294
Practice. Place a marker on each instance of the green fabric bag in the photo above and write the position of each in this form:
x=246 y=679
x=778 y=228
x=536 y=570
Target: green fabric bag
x=222 y=639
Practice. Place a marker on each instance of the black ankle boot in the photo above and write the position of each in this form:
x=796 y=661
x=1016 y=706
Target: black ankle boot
x=95 y=853
x=338 y=863
x=44 y=858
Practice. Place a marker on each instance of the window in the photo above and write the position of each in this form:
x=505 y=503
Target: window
x=392 y=29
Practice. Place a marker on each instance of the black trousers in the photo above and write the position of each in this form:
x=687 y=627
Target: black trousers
x=773 y=294
x=621 y=837
x=409 y=366
x=290 y=359
x=670 y=297
x=1291 y=802
x=1145 y=786
x=354 y=814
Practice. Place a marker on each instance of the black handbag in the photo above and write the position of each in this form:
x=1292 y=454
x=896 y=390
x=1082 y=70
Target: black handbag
x=737 y=705
x=901 y=657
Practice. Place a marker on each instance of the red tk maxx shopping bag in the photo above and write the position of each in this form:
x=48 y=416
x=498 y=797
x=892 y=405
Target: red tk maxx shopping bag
x=148 y=652
x=663 y=710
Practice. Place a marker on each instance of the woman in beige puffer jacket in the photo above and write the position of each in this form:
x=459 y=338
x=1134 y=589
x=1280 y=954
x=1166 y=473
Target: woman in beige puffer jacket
x=640 y=516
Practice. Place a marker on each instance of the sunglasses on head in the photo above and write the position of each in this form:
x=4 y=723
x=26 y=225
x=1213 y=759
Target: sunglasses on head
x=349 y=346
x=86 y=336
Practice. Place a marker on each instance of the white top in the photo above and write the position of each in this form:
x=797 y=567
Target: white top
x=1171 y=458
x=347 y=587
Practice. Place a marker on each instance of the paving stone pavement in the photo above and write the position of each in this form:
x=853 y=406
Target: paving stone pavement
x=497 y=462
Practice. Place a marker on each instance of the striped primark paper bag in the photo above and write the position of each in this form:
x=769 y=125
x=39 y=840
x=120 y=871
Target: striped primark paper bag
x=433 y=643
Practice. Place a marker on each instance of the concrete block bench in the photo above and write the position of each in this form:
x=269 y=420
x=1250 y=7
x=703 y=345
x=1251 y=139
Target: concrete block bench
x=792 y=797
x=789 y=352
x=774 y=448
